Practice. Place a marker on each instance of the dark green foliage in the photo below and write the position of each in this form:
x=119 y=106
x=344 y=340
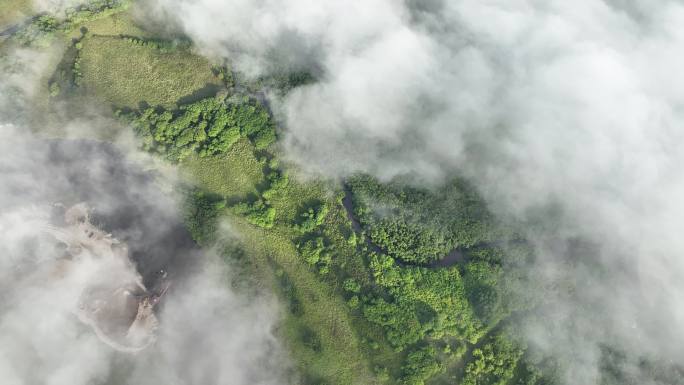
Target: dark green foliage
x=311 y=340
x=351 y=285
x=485 y=292
x=418 y=225
x=408 y=241
x=420 y=365
x=311 y=250
x=277 y=182
x=281 y=80
x=208 y=127
x=353 y=302
x=424 y=302
x=224 y=74
x=311 y=218
x=315 y=253
x=163 y=46
x=39 y=32
x=289 y=291
x=76 y=67
x=254 y=122
x=402 y=327
x=264 y=137
x=493 y=363
x=258 y=213
x=285 y=82
x=527 y=374
x=201 y=213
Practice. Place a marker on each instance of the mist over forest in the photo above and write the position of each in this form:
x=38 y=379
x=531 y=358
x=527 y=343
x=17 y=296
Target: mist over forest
x=341 y=192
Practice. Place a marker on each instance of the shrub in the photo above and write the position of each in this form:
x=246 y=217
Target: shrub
x=258 y=213
x=420 y=365
x=311 y=218
x=351 y=285
x=311 y=250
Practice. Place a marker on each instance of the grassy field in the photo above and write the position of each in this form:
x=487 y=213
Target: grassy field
x=126 y=74
x=13 y=11
x=121 y=23
x=317 y=320
x=234 y=175
x=317 y=317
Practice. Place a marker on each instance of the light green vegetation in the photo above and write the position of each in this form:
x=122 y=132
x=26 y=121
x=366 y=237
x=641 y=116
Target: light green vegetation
x=206 y=127
x=317 y=320
x=126 y=74
x=14 y=11
x=420 y=226
x=42 y=29
x=493 y=363
x=115 y=25
x=234 y=174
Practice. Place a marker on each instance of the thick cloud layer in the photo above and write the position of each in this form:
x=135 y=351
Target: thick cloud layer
x=573 y=105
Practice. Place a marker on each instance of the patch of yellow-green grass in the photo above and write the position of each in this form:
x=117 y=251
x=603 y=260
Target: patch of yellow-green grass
x=318 y=326
x=14 y=11
x=121 y=23
x=320 y=333
x=233 y=175
x=126 y=74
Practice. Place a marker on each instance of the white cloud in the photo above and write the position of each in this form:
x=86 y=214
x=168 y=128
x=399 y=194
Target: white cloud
x=571 y=103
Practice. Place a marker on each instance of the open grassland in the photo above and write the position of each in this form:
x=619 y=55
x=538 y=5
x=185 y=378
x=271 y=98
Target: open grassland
x=317 y=326
x=126 y=74
x=316 y=317
x=121 y=23
x=234 y=174
x=14 y=11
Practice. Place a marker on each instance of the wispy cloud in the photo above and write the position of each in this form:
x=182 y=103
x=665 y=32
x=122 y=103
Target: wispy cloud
x=572 y=104
x=208 y=332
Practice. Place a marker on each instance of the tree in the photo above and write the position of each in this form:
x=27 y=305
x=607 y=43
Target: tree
x=311 y=218
x=494 y=363
x=257 y=213
x=420 y=365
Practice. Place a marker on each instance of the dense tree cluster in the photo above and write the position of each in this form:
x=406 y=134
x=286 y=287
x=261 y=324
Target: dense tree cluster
x=208 y=127
x=418 y=225
x=163 y=46
x=280 y=80
x=418 y=302
x=311 y=218
x=277 y=182
x=76 y=67
x=201 y=214
x=423 y=302
x=224 y=74
x=493 y=363
x=258 y=213
x=420 y=365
